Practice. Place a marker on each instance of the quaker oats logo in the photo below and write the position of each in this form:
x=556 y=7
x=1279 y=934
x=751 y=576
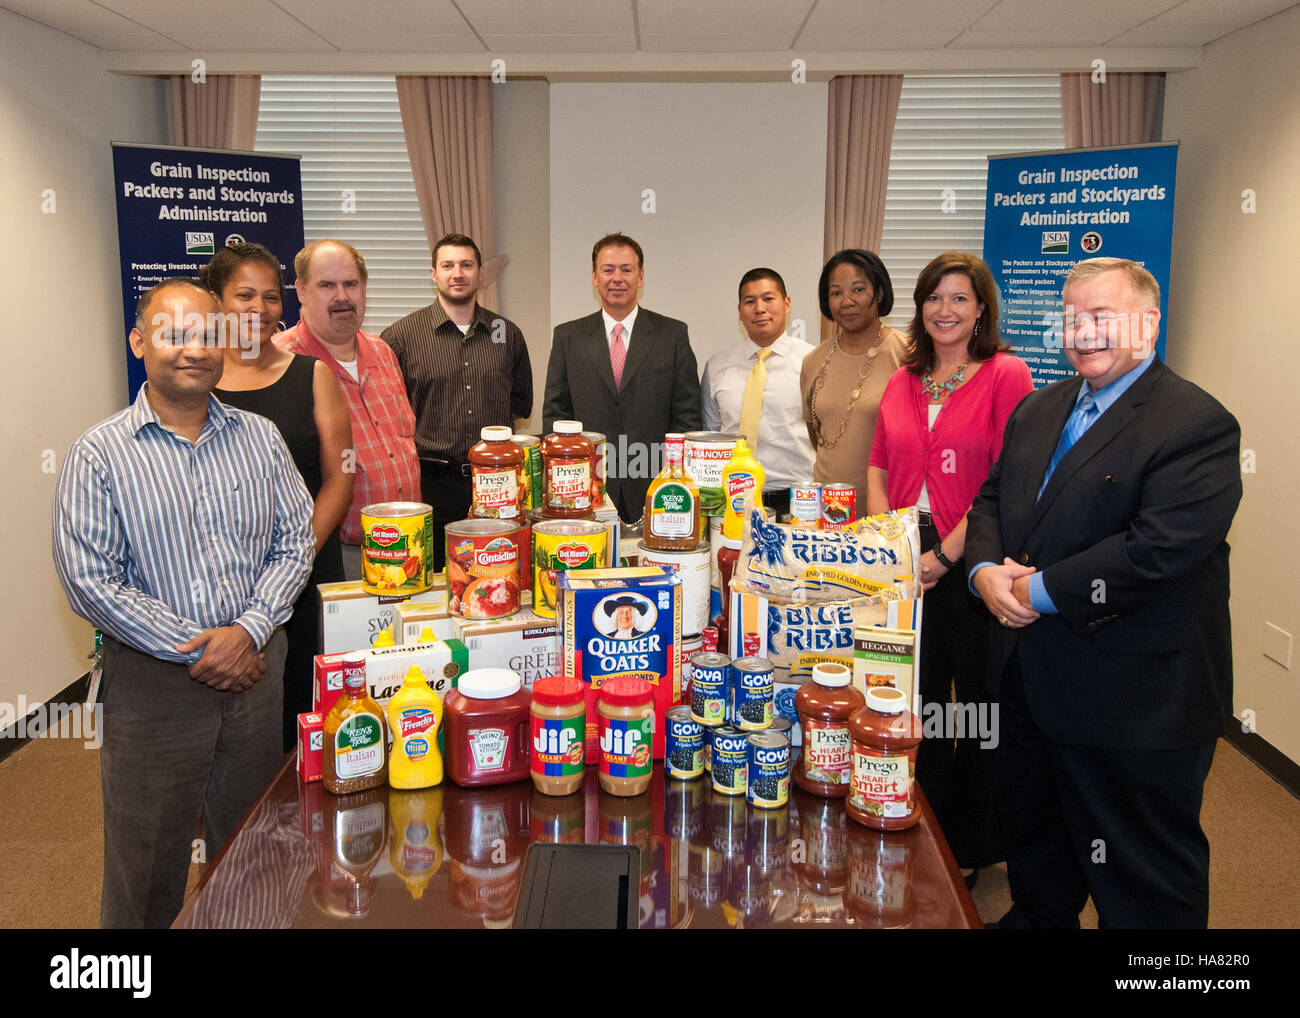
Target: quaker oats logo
x=235 y=239
x=624 y=616
x=1090 y=242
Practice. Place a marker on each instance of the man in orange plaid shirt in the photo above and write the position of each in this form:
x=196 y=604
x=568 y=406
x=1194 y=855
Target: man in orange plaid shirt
x=331 y=288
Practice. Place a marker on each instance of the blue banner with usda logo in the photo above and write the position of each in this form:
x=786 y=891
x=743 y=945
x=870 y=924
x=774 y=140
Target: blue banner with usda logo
x=176 y=206
x=1047 y=210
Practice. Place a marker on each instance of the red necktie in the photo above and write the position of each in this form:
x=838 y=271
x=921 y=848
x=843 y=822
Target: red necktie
x=618 y=355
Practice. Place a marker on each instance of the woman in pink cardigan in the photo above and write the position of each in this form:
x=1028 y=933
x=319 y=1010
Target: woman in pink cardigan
x=938 y=433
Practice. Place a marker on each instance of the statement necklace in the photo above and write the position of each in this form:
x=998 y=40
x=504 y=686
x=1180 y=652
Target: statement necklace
x=863 y=372
x=937 y=390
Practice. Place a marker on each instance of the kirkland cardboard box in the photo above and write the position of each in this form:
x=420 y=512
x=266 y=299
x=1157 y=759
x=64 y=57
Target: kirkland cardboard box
x=351 y=619
x=524 y=643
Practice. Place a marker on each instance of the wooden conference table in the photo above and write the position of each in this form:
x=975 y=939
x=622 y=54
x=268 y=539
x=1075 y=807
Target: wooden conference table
x=451 y=857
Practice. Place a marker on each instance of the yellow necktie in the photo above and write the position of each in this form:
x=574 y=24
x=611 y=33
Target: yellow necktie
x=751 y=407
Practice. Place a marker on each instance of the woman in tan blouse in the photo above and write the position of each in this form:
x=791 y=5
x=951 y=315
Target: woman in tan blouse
x=842 y=380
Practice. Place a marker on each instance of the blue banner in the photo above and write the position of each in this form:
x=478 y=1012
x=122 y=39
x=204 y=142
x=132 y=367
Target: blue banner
x=175 y=206
x=1048 y=210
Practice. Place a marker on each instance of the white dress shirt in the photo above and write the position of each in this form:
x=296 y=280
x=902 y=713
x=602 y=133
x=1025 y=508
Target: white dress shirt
x=628 y=322
x=783 y=446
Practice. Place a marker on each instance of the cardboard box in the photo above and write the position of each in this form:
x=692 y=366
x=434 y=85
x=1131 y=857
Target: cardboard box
x=442 y=661
x=885 y=657
x=525 y=643
x=351 y=619
x=598 y=642
x=412 y=618
x=311 y=736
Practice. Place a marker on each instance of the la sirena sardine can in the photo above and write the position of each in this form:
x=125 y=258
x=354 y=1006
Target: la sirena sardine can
x=395 y=555
x=684 y=749
x=752 y=693
x=769 y=770
x=839 y=505
x=710 y=688
x=560 y=545
x=730 y=760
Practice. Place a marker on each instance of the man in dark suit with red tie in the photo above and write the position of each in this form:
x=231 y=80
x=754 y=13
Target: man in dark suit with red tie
x=1098 y=542
x=624 y=371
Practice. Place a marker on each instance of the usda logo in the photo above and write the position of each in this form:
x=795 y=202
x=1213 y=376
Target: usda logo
x=199 y=243
x=1056 y=241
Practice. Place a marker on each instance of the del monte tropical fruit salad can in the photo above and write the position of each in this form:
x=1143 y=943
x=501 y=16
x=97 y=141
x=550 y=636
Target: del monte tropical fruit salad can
x=395 y=552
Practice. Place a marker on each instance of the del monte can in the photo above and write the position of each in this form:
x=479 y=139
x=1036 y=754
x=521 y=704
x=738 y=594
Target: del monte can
x=395 y=553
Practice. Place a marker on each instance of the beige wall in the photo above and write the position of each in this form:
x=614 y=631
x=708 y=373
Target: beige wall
x=739 y=179
x=64 y=366
x=521 y=179
x=1233 y=323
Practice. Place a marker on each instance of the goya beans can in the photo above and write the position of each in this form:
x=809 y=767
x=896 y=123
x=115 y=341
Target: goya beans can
x=395 y=552
x=684 y=749
x=599 y=453
x=751 y=693
x=559 y=545
x=483 y=568
x=710 y=688
x=839 y=506
x=769 y=770
x=730 y=760
x=806 y=504
x=530 y=475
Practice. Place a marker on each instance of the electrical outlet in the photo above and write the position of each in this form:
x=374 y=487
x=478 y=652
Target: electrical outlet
x=1277 y=645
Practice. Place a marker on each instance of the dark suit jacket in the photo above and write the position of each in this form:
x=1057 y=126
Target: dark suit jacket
x=1129 y=535
x=660 y=393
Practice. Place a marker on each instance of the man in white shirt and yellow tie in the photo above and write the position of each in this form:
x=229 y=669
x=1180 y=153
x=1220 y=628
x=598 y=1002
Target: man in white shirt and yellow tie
x=752 y=388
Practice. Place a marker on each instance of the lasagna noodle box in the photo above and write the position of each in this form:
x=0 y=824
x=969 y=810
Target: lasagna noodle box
x=441 y=661
x=625 y=621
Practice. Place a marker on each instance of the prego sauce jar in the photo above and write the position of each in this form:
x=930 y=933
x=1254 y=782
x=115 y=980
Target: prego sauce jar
x=566 y=472
x=885 y=736
x=825 y=703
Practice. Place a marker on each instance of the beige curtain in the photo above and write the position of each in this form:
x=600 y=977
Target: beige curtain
x=448 y=126
x=1125 y=109
x=220 y=112
x=860 y=117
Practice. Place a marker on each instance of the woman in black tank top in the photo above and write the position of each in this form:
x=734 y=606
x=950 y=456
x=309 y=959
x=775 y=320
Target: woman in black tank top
x=303 y=399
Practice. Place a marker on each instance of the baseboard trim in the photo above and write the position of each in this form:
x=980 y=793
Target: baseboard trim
x=72 y=694
x=1264 y=755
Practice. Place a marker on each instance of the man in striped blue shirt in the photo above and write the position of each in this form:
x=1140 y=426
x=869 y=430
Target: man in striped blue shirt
x=183 y=532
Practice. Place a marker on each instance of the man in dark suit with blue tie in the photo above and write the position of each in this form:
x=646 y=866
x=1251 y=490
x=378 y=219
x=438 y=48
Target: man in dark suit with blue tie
x=624 y=371
x=1098 y=542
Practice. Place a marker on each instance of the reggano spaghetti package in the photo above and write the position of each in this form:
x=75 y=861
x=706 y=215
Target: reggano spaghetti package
x=874 y=557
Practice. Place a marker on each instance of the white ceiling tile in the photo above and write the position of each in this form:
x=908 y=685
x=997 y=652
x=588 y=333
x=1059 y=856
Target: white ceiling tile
x=222 y=42
x=561 y=43
x=716 y=42
x=942 y=19
x=72 y=15
x=1093 y=19
x=687 y=18
x=544 y=18
x=249 y=19
x=879 y=40
x=339 y=19
x=1196 y=22
x=1011 y=38
x=140 y=39
x=371 y=43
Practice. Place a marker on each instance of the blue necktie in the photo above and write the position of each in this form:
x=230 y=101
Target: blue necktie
x=1080 y=421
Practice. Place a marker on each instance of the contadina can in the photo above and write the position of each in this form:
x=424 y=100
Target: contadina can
x=395 y=552
x=684 y=749
x=559 y=545
x=751 y=693
x=730 y=760
x=769 y=770
x=710 y=688
x=483 y=568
